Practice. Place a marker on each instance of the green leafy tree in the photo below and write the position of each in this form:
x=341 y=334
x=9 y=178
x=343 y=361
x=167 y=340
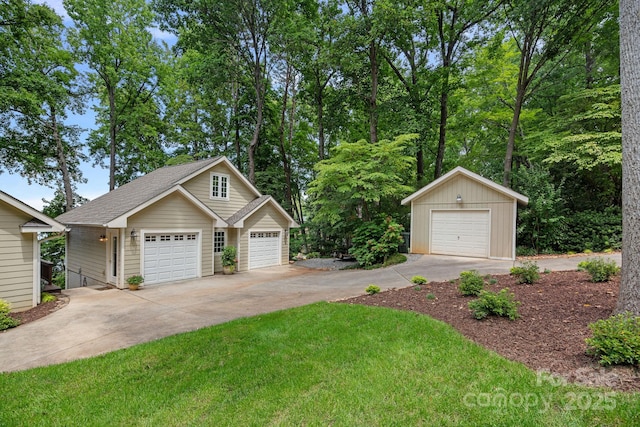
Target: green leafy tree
x=112 y=38
x=360 y=181
x=545 y=31
x=37 y=90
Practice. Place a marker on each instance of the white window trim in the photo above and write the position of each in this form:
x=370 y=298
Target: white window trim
x=219 y=175
x=214 y=241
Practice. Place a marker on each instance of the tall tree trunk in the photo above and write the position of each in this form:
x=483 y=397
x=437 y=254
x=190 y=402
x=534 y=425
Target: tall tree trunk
x=112 y=137
x=444 y=99
x=236 y=126
x=521 y=91
x=281 y=133
x=589 y=64
x=62 y=161
x=373 y=107
x=320 y=114
x=629 y=296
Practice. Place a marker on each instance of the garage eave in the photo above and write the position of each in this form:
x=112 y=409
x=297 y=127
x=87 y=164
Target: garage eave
x=122 y=220
x=521 y=199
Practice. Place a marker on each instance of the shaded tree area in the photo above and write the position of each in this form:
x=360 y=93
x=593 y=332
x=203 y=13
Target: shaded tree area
x=517 y=91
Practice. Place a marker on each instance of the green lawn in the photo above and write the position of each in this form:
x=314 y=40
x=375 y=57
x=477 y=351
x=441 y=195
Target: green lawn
x=323 y=364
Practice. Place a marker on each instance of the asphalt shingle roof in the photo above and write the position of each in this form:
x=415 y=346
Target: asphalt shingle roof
x=249 y=207
x=131 y=195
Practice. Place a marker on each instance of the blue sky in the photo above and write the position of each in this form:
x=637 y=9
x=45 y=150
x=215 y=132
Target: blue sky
x=97 y=177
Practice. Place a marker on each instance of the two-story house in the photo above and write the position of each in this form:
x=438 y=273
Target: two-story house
x=172 y=224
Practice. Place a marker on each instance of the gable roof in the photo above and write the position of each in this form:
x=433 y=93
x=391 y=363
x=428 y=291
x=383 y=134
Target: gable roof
x=237 y=220
x=137 y=193
x=524 y=200
x=113 y=209
x=39 y=223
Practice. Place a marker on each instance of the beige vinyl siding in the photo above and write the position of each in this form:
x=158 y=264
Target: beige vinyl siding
x=86 y=257
x=474 y=196
x=173 y=213
x=239 y=193
x=16 y=259
x=266 y=218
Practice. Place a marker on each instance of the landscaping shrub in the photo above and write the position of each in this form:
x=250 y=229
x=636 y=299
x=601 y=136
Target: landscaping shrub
x=372 y=289
x=47 y=297
x=6 y=321
x=528 y=272
x=592 y=230
x=471 y=283
x=616 y=340
x=599 y=269
x=418 y=280
x=499 y=304
x=374 y=242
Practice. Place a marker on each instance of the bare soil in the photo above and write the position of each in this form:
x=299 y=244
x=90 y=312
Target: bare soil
x=550 y=334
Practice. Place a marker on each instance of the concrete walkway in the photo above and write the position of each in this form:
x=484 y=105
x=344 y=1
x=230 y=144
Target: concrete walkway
x=95 y=322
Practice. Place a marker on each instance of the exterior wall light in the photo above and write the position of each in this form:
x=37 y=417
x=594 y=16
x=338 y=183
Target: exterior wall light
x=103 y=238
x=459 y=199
x=134 y=234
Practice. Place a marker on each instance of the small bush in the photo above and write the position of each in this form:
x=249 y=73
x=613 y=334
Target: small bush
x=417 y=287
x=500 y=304
x=599 y=269
x=372 y=289
x=6 y=321
x=418 y=280
x=47 y=297
x=312 y=255
x=471 y=283
x=616 y=340
x=526 y=273
x=431 y=296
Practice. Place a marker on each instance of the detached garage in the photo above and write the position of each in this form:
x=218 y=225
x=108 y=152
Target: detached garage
x=464 y=214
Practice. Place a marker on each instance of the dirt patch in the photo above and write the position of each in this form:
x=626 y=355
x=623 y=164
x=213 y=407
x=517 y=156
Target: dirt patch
x=550 y=333
x=41 y=310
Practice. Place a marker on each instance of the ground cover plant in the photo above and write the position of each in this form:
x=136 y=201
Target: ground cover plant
x=555 y=314
x=470 y=283
x=322 y=364
x=616 y=340
x=599 y=269
x=528 y=272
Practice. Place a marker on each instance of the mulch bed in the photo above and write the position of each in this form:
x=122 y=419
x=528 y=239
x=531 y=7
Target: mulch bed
x=40 y=310
x=549 y=335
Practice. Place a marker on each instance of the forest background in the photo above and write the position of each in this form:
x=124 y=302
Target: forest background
x=338 y=109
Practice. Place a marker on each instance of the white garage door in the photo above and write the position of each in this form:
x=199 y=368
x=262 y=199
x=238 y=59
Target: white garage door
x=264 y=249
x=463 y=233
x=170 y=256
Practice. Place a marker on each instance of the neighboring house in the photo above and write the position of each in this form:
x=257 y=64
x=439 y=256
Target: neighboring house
x=20 y=251
x=172 y=224
x=464 y=214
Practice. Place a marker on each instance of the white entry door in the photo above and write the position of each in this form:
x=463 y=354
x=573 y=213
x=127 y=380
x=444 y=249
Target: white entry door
x=461 y=232
x=264 y=249
x=170 y=256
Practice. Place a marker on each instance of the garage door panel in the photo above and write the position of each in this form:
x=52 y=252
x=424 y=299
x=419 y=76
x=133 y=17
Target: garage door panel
x=169 y=257
x=463 y=233
x=264 y=249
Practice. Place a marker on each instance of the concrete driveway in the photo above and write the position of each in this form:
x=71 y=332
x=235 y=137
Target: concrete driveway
x=95 y=322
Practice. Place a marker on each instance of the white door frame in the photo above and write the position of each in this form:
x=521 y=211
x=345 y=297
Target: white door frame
x=113 y=256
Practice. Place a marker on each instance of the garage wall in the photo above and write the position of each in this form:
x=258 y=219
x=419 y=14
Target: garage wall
x=86 y=257
x=266 y=218
x=16 y=259
x=239 y=194
x=174 y=212
x=474 y=196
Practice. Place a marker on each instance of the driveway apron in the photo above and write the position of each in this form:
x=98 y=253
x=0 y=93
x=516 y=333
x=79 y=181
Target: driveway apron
x=95 y=322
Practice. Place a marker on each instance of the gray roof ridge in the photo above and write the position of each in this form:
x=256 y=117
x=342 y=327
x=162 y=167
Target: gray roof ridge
x=247 y=209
